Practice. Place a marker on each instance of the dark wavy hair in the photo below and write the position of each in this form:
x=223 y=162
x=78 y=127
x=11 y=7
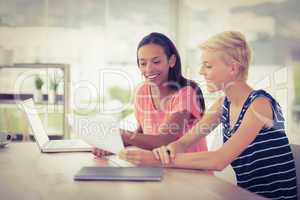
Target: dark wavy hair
x=175 y=78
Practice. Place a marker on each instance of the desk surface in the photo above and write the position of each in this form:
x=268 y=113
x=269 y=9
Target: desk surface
x=25 y=173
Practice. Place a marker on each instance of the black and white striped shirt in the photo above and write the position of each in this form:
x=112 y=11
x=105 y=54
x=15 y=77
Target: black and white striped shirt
x=266 y=167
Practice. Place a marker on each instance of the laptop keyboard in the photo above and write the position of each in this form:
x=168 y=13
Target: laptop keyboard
x=66 y=143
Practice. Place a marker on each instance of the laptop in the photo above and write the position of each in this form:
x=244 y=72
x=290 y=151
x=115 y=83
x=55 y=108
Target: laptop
x=41 y=137
x=119 y=174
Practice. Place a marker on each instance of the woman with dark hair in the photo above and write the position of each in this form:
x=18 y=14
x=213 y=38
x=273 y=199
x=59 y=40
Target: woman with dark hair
x=166 y=103
x=175 y=78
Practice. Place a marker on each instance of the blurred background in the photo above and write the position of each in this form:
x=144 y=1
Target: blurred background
x=79 y=56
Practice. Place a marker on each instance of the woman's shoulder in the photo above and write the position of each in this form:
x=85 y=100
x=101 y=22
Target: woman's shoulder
x=261 y=93
x=140 y=94
x=261 y=98
x=261 y=103
x=142 y=88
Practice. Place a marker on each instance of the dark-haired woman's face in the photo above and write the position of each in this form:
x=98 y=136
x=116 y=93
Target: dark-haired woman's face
x=154 y=63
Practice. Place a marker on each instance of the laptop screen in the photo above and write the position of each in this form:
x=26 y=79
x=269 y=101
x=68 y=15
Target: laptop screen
x=35 y=122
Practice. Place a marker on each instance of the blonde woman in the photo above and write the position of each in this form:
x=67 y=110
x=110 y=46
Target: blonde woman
x=255 y=142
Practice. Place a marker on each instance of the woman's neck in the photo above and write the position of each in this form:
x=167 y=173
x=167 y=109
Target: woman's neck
x=159 y=95
x=237 y=92
x=162 y=90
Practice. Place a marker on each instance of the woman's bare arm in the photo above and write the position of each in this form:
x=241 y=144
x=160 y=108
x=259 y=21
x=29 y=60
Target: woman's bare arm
x=172 y=126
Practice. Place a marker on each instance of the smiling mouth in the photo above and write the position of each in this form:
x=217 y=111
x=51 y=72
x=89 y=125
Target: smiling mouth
x=151 y=76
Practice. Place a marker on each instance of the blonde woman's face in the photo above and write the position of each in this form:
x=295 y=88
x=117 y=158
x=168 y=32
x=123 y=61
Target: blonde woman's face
x=215 y=71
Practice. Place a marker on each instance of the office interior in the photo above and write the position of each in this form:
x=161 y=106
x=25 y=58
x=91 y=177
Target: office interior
x=79 y=59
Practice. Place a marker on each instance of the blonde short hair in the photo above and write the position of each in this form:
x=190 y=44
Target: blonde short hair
x=233 y=45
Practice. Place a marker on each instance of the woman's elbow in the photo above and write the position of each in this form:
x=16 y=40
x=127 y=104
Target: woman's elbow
x=218 y=164
x=219 y=167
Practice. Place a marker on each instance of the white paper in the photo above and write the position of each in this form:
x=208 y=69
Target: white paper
x=114 y=160
x=101 y=132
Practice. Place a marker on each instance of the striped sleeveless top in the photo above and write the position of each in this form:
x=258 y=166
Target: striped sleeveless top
x=266 y=167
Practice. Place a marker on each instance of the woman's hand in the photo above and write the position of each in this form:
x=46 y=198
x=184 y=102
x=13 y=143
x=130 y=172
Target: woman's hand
x=100 y=153
x=139 y=157
x=166 y=154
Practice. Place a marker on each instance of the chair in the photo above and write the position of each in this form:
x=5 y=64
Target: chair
x=296 y=151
